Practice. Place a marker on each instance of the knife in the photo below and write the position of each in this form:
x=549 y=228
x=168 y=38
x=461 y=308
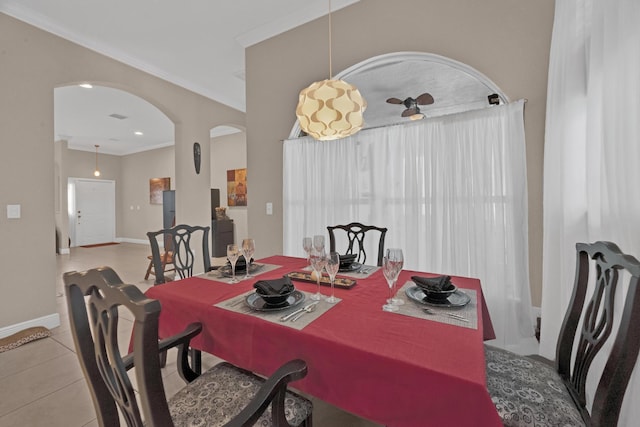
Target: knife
x=290 y=315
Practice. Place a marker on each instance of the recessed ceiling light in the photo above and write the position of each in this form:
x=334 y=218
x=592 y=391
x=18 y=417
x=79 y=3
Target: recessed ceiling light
x=138 y=133
x=86 y=85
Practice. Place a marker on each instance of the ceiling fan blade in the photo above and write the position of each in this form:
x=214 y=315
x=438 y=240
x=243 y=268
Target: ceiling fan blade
x=409 y=112
x=394 y=101
x=425 y=99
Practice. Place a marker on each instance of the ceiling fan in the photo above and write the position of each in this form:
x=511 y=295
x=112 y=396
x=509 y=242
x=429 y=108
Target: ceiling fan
x=412 y=110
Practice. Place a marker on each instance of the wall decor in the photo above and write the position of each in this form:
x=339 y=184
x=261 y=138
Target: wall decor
x=156 y=187
x=237 y=187
x=197 y=152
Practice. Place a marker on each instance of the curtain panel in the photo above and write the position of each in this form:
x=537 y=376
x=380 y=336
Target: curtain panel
x=451 y=190
x=592 y=149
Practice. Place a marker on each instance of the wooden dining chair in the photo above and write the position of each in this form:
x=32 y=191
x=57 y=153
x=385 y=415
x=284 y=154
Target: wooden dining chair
x=355 y=234
x=183 y=257
x=166 y=260
x=554 y=393
x=225 y=395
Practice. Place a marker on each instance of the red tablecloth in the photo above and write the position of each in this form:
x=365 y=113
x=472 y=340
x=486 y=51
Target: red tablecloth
x=393 y=369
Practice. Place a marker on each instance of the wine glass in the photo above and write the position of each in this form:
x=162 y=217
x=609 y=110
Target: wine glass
x=232 y=255
x=318 y=262
x=318 y=242
x=307 y=245
x=389 y=271
x=395 y=256
x=332 y=267
x=248 y=248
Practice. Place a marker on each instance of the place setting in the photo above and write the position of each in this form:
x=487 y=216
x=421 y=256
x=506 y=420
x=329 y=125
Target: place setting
x=278 y=301
x=432 y=298
x=236 y=268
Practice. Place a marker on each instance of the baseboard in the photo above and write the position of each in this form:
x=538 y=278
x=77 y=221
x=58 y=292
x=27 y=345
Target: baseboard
x=50 y=321
x=128 y=240
x=64 y=251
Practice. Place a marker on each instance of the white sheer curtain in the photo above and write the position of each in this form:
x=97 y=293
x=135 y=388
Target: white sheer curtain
x=451 y=190
x=591 y=173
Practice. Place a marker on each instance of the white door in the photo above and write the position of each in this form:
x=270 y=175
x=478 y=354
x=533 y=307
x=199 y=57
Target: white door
x=95 y=211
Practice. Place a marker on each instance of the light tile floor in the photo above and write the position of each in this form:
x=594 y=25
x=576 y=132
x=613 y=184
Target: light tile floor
x=41 y=383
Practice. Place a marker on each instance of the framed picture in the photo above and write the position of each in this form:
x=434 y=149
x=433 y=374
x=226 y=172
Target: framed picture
x=237 y=187
x=156 y=187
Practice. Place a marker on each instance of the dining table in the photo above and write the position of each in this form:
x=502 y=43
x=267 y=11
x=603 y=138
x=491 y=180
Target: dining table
x=402 y=369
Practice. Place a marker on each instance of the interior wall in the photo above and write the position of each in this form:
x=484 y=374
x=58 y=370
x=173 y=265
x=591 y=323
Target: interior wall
x=230 y=152
x=137 y=214
x=35 y=62
x=506 y=40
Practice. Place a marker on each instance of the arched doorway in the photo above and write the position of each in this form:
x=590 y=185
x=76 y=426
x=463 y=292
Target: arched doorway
x=105 y=128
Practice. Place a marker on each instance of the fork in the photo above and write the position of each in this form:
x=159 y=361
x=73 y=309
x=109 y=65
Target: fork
x=452 y=315
x=307 y=309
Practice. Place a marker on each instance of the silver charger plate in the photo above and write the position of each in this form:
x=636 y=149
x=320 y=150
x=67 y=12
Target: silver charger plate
x=456 y=299
x=255 y=302
x=354 y=266
x=225 y=270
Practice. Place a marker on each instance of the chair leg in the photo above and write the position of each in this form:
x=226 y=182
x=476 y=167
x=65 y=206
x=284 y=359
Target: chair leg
x=163 y=359
x=196 y=360
x=146 y=276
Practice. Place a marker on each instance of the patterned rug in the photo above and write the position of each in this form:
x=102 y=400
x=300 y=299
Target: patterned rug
x=23 y=337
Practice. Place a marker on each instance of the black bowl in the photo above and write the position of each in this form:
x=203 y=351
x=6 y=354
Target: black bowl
x=241 y=263
x=275 y=299
x=435 y=295
x=347 y=260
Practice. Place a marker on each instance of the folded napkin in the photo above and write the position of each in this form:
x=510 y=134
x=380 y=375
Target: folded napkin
x=439 y=283
x=274 y=287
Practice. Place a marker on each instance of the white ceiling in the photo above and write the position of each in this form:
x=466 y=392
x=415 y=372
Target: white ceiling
x=196 y=44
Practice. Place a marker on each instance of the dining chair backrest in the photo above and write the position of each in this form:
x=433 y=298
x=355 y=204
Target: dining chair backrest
x=180 y=240
x=600 y=266
x=355 y=234
x=94 y=327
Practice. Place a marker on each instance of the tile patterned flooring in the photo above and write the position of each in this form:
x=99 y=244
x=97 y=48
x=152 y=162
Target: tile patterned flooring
x=41 y=383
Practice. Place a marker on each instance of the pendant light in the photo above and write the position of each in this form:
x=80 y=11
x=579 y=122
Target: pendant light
x=330 y=109
x=97 y=171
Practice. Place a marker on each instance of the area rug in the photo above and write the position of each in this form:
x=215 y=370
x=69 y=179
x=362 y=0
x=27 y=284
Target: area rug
x=97 y=245
x=23 y=337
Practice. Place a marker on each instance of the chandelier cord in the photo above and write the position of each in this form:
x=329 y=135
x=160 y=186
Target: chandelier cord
x=330 y=65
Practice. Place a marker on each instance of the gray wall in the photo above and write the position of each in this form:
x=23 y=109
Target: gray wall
x=507 y=40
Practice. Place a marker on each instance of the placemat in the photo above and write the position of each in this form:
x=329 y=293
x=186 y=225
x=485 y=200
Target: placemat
x=237 y=304
x=217 y=276
x=469 y=312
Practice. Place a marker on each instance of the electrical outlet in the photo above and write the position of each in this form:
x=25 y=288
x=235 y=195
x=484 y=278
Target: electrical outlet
x=269 y=208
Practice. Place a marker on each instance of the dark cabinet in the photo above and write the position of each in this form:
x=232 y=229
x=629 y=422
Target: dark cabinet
x=221 y=236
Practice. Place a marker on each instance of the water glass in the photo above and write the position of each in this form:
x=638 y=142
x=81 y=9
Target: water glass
x=248 y=248
x=389 y=271
x=396 y=258
x=307 y=245
x=232 y=255
x=318 y=242
x=332 y=267
x=318 y=262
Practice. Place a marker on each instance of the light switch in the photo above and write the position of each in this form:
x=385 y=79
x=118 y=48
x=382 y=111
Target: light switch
x=269 y=208
x=13 y=211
